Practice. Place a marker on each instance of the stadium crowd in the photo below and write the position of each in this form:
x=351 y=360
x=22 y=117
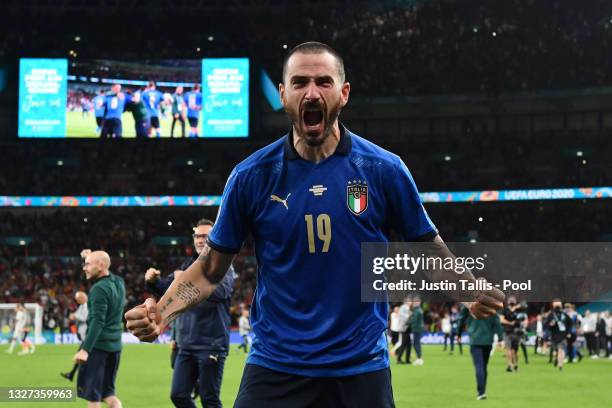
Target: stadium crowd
x=46 y=266
x=431 y=47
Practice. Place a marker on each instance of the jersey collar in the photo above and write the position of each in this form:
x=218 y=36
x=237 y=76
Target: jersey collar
x=344 y=144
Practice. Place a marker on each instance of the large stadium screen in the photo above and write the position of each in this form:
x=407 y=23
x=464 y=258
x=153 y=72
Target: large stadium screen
x=207 y=98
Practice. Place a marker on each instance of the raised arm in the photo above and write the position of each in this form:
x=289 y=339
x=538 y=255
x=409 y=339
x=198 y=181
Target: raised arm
x=194 y=285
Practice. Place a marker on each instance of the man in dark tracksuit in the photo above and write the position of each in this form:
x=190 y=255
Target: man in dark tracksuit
x=202 y=335
x=481 y=342
x=417 y=326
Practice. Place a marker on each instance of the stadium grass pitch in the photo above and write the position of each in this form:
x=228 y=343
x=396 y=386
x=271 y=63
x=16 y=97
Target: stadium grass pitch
x=444 y=381
x=78 y=125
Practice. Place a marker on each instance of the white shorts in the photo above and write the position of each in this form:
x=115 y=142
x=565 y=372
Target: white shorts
x=18 y=334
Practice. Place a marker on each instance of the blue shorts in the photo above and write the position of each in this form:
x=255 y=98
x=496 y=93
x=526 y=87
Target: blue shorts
x=96 y=379
x=154 y=122
x=112 y=128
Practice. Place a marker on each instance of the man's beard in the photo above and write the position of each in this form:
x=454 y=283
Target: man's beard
x=329 y=120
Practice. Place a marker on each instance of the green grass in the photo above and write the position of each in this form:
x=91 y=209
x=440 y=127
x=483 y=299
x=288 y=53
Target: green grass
x=79 y=126
x=444 y=381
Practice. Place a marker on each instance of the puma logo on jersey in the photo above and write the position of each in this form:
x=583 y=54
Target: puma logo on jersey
x=276 y=198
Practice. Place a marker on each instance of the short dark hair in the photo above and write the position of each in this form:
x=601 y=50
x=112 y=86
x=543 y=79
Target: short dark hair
x=314 y=47
x=205 y=221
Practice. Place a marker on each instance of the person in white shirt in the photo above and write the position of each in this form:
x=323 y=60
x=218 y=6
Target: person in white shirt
x=608 y=343
x=21 y=320
x=244 y=328
x=80 y=315
x=539 y=340
x=394 y=325
x=445 y=324
x=80 y=318
x=404 y=330
x=589 y=324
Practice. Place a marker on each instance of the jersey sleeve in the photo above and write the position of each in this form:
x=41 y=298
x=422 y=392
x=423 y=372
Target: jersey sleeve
x=230 y=228
x=408 y=216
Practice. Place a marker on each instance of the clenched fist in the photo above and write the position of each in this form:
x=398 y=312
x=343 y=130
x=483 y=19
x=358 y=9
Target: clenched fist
x=85 y=253
x=143 y=321
x=487 y=303
x=152 y=275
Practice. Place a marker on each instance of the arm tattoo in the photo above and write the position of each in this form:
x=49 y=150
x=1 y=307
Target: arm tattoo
x=188 y=293
x=171 y=317
x=164 y=307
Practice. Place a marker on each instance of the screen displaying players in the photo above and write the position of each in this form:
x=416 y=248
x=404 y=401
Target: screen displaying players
x=133 y=99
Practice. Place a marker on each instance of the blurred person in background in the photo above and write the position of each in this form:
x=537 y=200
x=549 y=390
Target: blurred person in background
x=510 y=323
x=455 y=329
x=417 y=327
x=573 y=349
x=394 y=320
x=604 y=330
x=559 y=324
x=481 y=333
x=404 y=330
x=80 y=318
x=445 y=326
x=589 y=324
x=179 y=110
x=244 y=328
x=538 y=346
x=521 y=330
x=21 y=322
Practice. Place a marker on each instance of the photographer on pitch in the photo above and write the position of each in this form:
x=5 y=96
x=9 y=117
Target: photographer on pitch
x=511 y=322
x=560 y=325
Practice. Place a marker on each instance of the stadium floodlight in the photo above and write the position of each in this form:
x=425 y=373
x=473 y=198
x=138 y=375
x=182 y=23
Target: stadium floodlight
x=7 y=317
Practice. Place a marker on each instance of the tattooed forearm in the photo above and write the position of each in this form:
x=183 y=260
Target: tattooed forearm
x=164 y=307
x=171 y=317
x=188 y=293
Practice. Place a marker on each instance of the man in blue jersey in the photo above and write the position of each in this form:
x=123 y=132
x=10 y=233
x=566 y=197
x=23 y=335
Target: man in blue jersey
x=309 y=200
x=193 y=99
x=98 y=103
x=152 y=99
x=114 y=105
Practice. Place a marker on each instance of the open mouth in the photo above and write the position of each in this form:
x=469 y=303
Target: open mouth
x=313 y=117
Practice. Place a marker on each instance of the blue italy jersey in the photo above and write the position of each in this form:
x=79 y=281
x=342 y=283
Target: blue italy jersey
x=115 y=104
x=194 y=104
x=152 y=98
x=98 y=103
x=308 y=222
